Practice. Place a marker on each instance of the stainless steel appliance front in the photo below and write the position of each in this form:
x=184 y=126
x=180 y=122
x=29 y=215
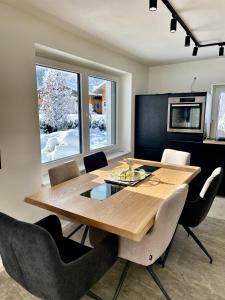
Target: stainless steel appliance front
x=186 y=114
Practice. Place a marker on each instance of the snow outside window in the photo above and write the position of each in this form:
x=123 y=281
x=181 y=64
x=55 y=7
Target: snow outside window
x=59 y=113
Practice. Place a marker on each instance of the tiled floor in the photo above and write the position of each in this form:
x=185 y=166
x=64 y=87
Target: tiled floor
x=187 y=275
x=218 y=208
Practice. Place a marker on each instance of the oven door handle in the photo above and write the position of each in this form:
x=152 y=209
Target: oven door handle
x=186 y=105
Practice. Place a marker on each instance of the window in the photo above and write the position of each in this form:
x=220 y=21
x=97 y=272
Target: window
x=59 y=113
x=70 y=99
x=221 y=118
x=218 y=112
x=101 y=98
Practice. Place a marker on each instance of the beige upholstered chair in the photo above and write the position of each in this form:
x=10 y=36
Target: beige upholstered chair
x=175 y=157
x=62 y=173
x=156 y=241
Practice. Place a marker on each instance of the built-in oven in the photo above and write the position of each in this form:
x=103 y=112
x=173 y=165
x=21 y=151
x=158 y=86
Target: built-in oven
x=186 y=114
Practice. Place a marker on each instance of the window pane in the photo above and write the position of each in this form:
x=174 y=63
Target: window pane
x=59 y=113
x=220 y=133
x=102 y=107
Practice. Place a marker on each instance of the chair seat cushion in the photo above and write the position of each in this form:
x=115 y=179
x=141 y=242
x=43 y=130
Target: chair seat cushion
x=70 y=250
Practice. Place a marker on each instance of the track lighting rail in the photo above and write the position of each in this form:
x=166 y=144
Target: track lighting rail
x=189 y=34
x=176 y=16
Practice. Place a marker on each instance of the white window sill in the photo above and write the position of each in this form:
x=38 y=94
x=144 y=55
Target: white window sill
x=112 y=156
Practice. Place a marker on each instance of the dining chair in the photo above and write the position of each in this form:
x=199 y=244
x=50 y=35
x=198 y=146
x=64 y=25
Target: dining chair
x=198 y=205
x=175 y=157
x=63 y=172
x=154 y=243
x=95 y=161
x=50 y=266
x=91 y=163
x=60 y=174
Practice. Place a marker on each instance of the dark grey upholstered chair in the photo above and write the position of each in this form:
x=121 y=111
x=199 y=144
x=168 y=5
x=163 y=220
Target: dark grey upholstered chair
x=48 y=265
x=95 y=161
x=198 y=205
x=196 y=208
x=62 y=173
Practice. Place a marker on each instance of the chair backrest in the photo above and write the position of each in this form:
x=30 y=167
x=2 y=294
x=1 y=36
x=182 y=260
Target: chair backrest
x=208 y=193
x=155 y=242
x=175 y=157
x=30 y=256
x=63 y=172
x=95 y=161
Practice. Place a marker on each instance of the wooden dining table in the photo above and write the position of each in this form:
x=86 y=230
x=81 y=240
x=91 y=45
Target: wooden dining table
x=128 y=213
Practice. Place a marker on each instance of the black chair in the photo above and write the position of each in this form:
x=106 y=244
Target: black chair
x=91 y=163
x=198 y=205
x=48 y=265
x=95 y=161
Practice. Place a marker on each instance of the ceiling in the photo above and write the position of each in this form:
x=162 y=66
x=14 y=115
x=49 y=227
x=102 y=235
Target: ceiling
x=128 y=27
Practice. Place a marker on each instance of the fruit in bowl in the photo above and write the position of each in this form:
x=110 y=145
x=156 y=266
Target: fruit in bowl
x=131 y=175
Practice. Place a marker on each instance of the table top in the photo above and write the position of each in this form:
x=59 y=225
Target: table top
x=129 y=213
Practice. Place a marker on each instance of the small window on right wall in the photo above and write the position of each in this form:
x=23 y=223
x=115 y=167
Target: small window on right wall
x=218 y=112
x=220 y=128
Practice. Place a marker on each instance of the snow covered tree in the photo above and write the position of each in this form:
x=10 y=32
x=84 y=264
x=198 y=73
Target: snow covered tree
x=57 y=100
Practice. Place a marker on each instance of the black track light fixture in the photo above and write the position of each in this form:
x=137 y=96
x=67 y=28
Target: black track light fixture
x=195 y=51
x=221 y=51
x=152 y=5
x=173 y=24
x=187 y=40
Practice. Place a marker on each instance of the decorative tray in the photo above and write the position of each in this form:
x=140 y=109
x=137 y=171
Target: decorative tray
x=127 y=178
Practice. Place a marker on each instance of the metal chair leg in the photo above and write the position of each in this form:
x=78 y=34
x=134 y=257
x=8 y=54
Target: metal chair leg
x=162 y=260
x=157 y=281
x=121 y=281
x=93 y=296
x=84 y=235
x=191 y=233
x=75 y=230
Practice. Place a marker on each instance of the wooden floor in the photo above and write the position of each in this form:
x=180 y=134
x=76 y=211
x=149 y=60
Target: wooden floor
x=187 y=275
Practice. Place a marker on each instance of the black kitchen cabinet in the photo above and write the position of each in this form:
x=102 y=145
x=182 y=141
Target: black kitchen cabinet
x=150 y=125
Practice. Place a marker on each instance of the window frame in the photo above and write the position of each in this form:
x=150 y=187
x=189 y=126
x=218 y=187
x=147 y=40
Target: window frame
x=84 y=72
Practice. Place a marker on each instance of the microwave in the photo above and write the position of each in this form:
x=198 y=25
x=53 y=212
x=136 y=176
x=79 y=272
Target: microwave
x=186 y=114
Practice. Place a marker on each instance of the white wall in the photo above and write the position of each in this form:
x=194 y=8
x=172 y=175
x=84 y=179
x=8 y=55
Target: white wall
x=178 y=77
x=19 y=131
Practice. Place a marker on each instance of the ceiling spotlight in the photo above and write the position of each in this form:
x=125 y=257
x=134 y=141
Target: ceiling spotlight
x=152 y=5
x=195 y=51
x=187 y=40
x=221 y=51
x=173 y=25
